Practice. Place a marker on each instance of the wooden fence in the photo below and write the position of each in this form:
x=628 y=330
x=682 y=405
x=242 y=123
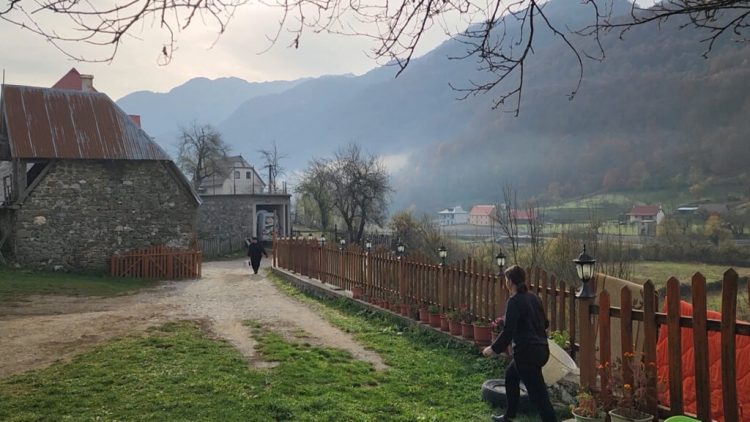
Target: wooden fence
x=221 y=246
x=157 y=262
x=588 y=320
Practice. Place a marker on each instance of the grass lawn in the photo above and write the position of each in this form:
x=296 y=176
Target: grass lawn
x=660 y=271
x=15 y=284
x=177 y=373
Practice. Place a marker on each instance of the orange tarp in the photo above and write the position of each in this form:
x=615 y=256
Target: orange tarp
x=714 y=369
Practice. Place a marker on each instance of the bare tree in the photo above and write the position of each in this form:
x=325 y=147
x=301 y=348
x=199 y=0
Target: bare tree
x=535 y=226
x=507 y=218
x=360 y=190
x=316 y=185
x=272 y=161
x=201 y=152
x=502 y=34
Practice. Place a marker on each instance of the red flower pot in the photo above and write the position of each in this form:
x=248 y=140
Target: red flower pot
x=482 y=335
x=424 y=315
x=357 y=292
x=467 y=331
x=435 y=320
x=405 y=310
x=455 y=327
x=444 y=323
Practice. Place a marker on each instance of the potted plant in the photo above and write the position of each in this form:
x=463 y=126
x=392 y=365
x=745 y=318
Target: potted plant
x=454 y=322
x=444 y=326
x=467 y=330
x=482 y=333
x=357 y=292
x=586 y=408
x=627 y=401
x=434 y=311
x=424 y=313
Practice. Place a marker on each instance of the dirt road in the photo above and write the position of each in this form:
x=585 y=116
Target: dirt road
x=44 y=329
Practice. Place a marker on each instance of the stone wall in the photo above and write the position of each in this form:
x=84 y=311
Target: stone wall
x=226 y=216
x=83 y=211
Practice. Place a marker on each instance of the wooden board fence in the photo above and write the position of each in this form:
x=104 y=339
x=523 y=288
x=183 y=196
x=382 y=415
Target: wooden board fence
x=157 y=263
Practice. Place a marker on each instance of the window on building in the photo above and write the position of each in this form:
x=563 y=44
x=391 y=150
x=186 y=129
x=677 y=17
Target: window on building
x=249 y=175
x=236 y=175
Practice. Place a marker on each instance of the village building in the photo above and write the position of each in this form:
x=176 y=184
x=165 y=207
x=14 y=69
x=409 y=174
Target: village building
x=453 y=215
x=482 y=215
x=234 y=176
x=82 y=181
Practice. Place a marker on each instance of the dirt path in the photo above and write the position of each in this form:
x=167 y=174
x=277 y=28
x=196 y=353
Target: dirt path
x=46 y=329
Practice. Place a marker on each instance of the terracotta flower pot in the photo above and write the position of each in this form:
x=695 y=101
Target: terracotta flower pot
x=424 y=315
x=444 y=323
x=455 y=327
x=405 y=310
x=482 y=335
x=435 y=320
x=356 y=292
x=467 y=331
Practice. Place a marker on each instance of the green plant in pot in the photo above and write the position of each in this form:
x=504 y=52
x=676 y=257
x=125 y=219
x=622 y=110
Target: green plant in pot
x=433 y=309
x=627 y=399
x=586 y=408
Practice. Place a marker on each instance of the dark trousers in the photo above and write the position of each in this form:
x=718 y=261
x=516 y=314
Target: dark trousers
x=526 y=366
x=255 y=263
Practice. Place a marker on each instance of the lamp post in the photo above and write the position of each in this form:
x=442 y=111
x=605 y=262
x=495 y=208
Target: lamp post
x=585 y=269
x=443 y=253
x=500 y=260
x=309 y=237
x=342 y=243
x=368 y=246
x=322 y=240
x=400 y=248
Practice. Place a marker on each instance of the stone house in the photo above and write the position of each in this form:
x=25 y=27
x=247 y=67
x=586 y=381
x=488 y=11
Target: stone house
x=481 y=215
x=82 y=181
x=453 y=215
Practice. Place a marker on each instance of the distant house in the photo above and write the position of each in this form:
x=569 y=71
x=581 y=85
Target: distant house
x=235 y=177
x=453 y=215
x=640 y=213
x=719 y=209
x=523 y=216
x=82 y=181
x=481 y=215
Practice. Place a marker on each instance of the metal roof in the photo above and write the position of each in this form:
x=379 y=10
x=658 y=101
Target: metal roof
x=52 y=123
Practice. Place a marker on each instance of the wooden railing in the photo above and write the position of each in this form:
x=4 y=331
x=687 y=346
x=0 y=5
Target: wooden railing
x=589 y=321
x=414 y=279
x=158 y=263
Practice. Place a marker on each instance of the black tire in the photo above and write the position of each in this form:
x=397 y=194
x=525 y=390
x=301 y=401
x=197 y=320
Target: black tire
x=493 y=392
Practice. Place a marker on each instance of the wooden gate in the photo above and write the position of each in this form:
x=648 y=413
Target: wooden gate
x=157 y=262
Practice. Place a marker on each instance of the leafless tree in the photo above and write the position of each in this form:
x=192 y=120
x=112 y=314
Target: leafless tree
x=272 y=161
x=501 y=34
x=535 y=225
x=507 y=218
x=201 y=152
x=316 y=184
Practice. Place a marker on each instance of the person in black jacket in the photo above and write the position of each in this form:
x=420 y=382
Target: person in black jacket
x=525 y=326
x=254 y=251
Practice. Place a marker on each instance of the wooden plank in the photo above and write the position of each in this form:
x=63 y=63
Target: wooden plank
x=626 y=333
x=650 y=330
x=572 y=318
x=553 y=303
x=674 y=346
x=700 y=347
x=728 y=345
x=605 y=354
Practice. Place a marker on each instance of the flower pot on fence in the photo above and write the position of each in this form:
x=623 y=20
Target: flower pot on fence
x=405 y=310
x=435 y=320
x=424 y=315
x=629 y=415
x=467 y=331
x=444 y=323
x=356 y=292
x=482 y=335
x=454 y=327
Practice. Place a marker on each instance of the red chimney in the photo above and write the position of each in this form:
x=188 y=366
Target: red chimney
x=136 y=118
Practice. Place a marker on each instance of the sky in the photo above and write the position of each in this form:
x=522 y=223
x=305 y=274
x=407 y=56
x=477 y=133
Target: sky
x=29 y=59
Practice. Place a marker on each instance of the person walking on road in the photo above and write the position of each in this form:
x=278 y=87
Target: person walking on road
x=254 y=251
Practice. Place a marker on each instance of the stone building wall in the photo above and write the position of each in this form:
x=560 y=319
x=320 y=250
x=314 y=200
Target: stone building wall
x=83 y=211
x=226 y=216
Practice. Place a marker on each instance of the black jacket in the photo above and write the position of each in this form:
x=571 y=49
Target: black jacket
x=525 y=323
x=255 y=250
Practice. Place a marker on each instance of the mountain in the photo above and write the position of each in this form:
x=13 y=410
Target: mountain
x=200 y=99
x=652 y=114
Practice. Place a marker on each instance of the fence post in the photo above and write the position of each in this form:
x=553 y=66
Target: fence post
x=273 y=249
x=586 y=355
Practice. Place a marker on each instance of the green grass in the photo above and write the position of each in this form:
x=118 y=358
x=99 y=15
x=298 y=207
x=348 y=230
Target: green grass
x=177 y=373
x=15 y=284
x=660 y=271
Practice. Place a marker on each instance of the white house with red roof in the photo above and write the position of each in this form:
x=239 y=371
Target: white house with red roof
x=481 y=215
x=641 y=213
